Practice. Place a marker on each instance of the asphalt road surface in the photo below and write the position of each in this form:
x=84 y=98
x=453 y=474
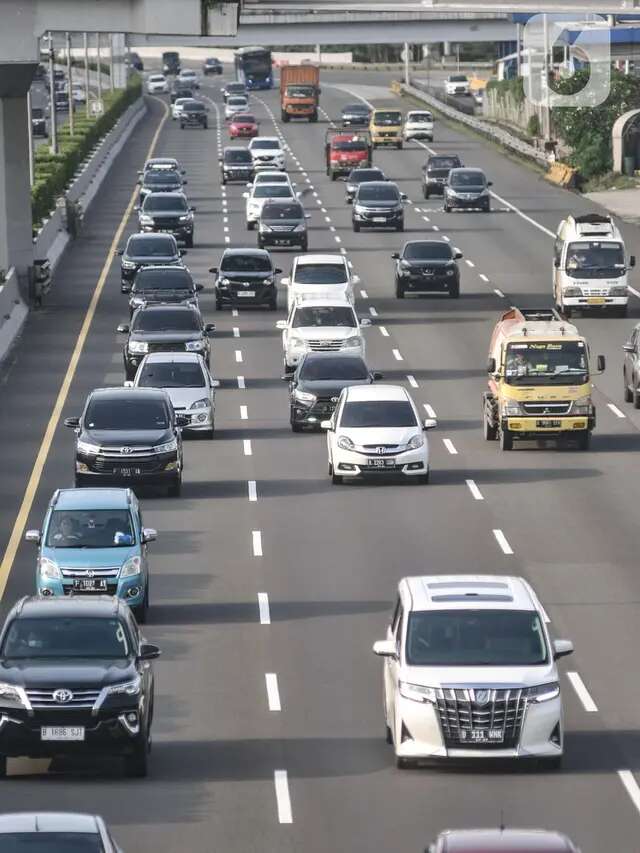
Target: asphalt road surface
x=269 y=733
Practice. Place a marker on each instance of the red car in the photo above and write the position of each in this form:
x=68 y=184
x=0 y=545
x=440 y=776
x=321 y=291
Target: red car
x=243 y=125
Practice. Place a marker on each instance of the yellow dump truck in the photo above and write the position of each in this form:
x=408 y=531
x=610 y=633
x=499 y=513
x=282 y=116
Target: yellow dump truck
x=539 y=380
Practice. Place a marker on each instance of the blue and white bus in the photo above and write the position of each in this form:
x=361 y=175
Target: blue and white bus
x=253 y=67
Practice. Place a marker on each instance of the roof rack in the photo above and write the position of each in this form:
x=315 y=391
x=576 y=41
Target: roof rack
x=540 y=315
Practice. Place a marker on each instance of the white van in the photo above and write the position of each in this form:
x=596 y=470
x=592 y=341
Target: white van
x=590 y=265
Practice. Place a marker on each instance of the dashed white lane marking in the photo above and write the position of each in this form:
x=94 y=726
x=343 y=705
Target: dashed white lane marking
x=225 y=219
x=236 y=332
x=475 y=491
x=483 y=276
x=244 y=413
x=469 y=263
x=616 y=411
x=338 y=239
x=583 y=694
x=430 y=410
x=446 y=239
x=253 y=491
x=234 y=312
x=628 y=780
x=499 y=293
x=363 y=295
x=282 y=796
x=263 y=608
x=327 y=219
x=450 y=446
x=343 y=250
x=225 y=228
x=227 y=239
x=396 y=355
x=332 y=228
x=412 y=380
x=239 y=356
x=373 y=311
x=273 y=693
x=417 y=210
x=241 y=383
x=323 y=209
x=435 y=227
x=501 y=539
x=383 y=332
x=256 y=541
x=315 y=194
x=634 y=291
x=426 y=219
x=319 y=201
x=246 y=447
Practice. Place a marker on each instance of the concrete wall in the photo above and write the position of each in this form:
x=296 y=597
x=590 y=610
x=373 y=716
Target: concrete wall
x=505 y=109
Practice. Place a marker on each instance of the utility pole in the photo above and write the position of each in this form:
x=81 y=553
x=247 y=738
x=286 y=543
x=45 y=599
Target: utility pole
x=30 y=136
x=52 y=98
x=407 y=77
x=70 y=85
x=458 y=57
x=518 y=59
x=546 y=89
x=111 y=62
x=85 y=39
x=98 y=67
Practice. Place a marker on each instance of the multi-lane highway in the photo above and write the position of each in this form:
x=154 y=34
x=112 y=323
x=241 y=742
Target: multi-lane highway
x=269 y=585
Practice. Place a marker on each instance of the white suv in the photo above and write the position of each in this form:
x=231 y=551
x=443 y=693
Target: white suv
x=470 y=673
x=323 y=276
x=456 y=84
x=259 y=194
x=418 y=124
x=267 y=153
x=376 y=430
x=321 y=325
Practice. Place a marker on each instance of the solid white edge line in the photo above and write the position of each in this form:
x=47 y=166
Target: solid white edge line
x=583 y=694
x=253 y=491
x=616 y=411
x=430 y=410
x=263 y=608
x=634 y=291
x=283 y=800
x=397 y=355
x=483 y=276
x=499 y=293
x=501 y=539
x=246 y=447
x=523 y=215
x=412 y=380
x=628 y=780
x=469 y=263
x=273 y=693
x=256 y=541
x=475 y=491
x=450 y=446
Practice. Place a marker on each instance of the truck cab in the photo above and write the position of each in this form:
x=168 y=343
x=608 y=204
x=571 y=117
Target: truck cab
x=539 y=380
x=590 y=266
x=345 y=151
x=385 y=127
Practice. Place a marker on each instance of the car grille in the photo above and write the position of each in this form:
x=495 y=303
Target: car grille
x=110 y=572
x=381 y=449
x=561 y=407
x=43 y=699
x=168 y=222
x=458 y=711
x=166 y=347
x=325 y=345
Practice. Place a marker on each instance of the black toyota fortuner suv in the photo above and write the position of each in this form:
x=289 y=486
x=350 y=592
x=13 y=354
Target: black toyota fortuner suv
x=76 y=680
x=435 y=172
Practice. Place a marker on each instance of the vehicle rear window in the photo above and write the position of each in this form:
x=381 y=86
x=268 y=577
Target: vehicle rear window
x=244 y=118
x=173 y=374
x=330 y=315
x=378 y=413
x=321 y=274
x=458 y=78
x=90 y=528
x=237 y=101
x=240 y=155
x=356 y=108
x=37 y=112
x=273 y=191
x=245 y=263
x=443 y=163
x=51 y=842
x=427 y=251
x=333 y=369
x=363 y=176
x=193 y=107
x=149 y=247
x=419 y=117
x=60 y=637
x=282 y=211
x=270 y=178
x=166 y=321
x=159 y=203
x=265 y=144
x=162 y=176
x=134 y=412
x=367 y=192
x=155 y=279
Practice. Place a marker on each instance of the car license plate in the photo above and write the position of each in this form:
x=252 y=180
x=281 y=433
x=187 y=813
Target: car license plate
x=379 y=219
x=246 y=293
x=549 y=424
x=596 y=300
x=90 y=584
x=280 y=242
x=128 y=472
x=481 y=735
x=381 y=463
x=62 y=733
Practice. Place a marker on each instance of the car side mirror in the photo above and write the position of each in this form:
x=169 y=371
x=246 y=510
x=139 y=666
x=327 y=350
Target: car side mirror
x=458 y=255
x=491 y=365
x=281 y=324
x=628 y=347
x=365 y=322
x=72 y=423
x=286 y=281
x=601 y=363
x=215 y=383
x=632 y=260
x=199 y=288
x=404 y=196
x=183 y=252
x=149 y=652
x=193 y=209
x=377 y=375
x=185 y=181
x=183 y=171
x=396 y=256
x=136 y=207
x=125 y=288
x=489 y=183
x=119 y=252
x=149 y=534
x=32 y=536
x=277 y=271
x=385 y=649
x=213 y=270
x=123 y=327
x=307 y=216
x=287 y=377
x=129 y=383
x=328 y=425
x=556 y=263
x=248 y=185
x=210 y=327
x=562 y=648
x=429 y=423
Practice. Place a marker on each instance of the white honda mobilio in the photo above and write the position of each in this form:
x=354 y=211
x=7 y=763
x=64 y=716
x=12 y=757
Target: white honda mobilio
x=470 y=672
x=376 y=430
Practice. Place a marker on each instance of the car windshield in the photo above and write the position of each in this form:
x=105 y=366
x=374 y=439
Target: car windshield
x=419 y=117
x=235 y=87
x=595 y=255
x=475 y=638
x=282 y=211
x=330 y=315
x=245 y=118
x=166 y=321
x=388 y=117
x=443 y=163
x=321 y=274
x=134 y=413
x=363 y=176
x=193 y=107
x=155 y=202
x=427 y=251
x=237 y=102
x=237 y=156
x=265 y=144
x=378 y=413
x=51 y=842
x=272 y=191
x=156 y=78
x=171 y=374
x=547 y=363
x=157 y=177
x=90 y=528
x=349 y=145
x=155 y=279
x=467 y=179
x=299 y=91
x=377 y=193
x=361 y=109
x=458 y=78
x=150 y=247
x=66 y=637
x=37 y=112
x=245 y=263
x=333 y=370
x=186 y=73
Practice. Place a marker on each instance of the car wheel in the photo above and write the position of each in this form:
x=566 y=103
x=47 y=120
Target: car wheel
x=400 y=226
x=273 y=305
x=224 y=181
x=175 y=488
x=388 y=735
x=635 y=396
x=333 y=176
x=446 y=207
x=356 y=226
x=399 y=146
x=304 y=246
x=487 y=208
x=490 y=430
x=506 y=439
x=336 y=479
x=260 y=243
x=628 y=393
x=425 y=192
x=454 y=291
x=218 y=304
x=136 y=764
x=142 y=611
x=584 y=440
x=400 y=291
x=405 y=763
x=251 y=226
x=181 y=126
x=295 y=427
x=423 y=479
x=188 y=241
x=567 y=311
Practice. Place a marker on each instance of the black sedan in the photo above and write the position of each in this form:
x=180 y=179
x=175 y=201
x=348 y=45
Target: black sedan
x=355 y=115
x=246 y=277
x=144 y=250
x=427 y=266
x=212 y=66
x=160 y=181
x=361 y=176
x=315 y=386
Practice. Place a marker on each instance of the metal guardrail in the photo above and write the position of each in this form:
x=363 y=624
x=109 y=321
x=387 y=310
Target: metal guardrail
x=497 y=134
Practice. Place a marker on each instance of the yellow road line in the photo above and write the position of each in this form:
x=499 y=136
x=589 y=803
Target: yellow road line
x=36 y=473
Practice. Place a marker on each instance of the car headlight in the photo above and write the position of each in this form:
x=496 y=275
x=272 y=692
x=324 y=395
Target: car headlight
x=359 y=209
x=304 y=397
x=571 y=291
x=544 y=692
x=512 y=409
x=345 y=443
x=355 y=341
x=167 y=447
x=452 y=192
x=194 y=346
x=415 y=441
x=137 y=301
x=581 y=406
x=130 y=567
x=301 y=227
x=49 y=569
x=127 y=688
x=417 y=692
x=185 y=218
x=405 y=265
x=225 y=281
x=265 y=227
x=618 y=290
x=450 y=270
x=200 y=404
x=86 y=447
x=145 y=219
x=138 y=346
x=128 y=265
x=11 y=693
x=268 y=280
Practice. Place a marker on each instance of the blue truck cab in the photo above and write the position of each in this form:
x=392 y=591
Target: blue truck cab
x=93 y=542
